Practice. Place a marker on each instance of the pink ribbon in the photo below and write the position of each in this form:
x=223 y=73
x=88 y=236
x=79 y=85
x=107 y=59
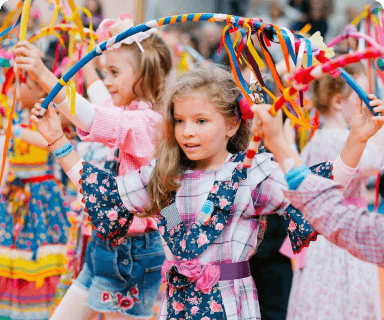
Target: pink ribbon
x=204 y=277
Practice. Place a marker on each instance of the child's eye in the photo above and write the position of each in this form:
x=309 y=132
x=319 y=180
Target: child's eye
x=114 y=72
x=178 y=121
x=201 y=121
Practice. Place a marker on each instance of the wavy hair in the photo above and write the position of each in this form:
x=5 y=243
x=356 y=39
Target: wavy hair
x=218 y=86
x=326 y=87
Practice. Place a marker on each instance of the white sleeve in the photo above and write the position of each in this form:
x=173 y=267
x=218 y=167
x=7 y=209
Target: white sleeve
x=74 y=173
x=84 y=112
x=97 y=92
x=342 y=174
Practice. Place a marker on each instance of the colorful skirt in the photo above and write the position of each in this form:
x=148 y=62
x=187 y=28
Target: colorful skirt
x=33 y=239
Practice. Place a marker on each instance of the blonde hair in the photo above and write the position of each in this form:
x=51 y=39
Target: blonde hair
x=325 y=88
x=218 y=86
x=153 y=65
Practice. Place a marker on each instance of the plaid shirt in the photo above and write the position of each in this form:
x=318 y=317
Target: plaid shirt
x=260 y=194
x=132 y=131
x=358 y=231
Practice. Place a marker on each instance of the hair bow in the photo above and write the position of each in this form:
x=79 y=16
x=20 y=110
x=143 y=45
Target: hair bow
x=245 y=109
x=111 y=27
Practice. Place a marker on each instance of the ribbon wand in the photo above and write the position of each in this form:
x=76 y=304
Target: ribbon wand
x=255 y=141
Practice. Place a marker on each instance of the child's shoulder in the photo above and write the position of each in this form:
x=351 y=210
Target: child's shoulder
x=263 y=165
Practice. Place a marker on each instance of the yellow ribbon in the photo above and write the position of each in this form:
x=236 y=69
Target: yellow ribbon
x=71 y=93
x=55 y=14
x=363 y=15
x=24 y=20
x=91 y=36
x=46 y=33
x=251 y=48
x=301 y=120
x=305 y=29
x=77 y=18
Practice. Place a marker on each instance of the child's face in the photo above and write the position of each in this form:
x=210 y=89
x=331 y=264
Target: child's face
x=201 y=131
x=120 y=75
x=349 y=103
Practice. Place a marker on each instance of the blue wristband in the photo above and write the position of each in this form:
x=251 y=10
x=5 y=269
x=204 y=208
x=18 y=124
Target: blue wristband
x=296 y=176
x=18 y=132
x=62 y=152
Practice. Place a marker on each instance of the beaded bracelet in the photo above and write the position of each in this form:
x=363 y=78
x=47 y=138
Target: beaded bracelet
x=63 y=151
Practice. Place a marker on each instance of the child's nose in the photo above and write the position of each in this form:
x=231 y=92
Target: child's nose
x=107 y=81
x=189 y=130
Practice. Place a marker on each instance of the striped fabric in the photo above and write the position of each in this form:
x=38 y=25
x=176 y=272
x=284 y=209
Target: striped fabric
x=22 y=300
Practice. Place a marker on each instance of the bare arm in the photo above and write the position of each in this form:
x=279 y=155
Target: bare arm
x=31 y=137
x=30 y=61
x=49 y=126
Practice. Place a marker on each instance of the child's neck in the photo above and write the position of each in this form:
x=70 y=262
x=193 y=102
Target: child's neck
x=335 y=121
x=213 y=163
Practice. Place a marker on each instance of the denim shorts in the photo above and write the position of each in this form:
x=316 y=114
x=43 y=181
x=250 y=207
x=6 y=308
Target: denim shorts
x=126 y=278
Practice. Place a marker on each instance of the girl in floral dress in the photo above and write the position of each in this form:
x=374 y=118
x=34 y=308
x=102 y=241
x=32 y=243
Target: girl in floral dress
x=333 y=284
x=209 y=230
x=33 y=221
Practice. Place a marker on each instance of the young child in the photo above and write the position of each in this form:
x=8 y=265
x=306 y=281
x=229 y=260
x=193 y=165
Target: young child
x=208 y=234
x=33 y=221
x=135 y=73
x=333 y=283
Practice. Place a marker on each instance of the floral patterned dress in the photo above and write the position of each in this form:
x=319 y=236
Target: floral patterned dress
x=194 y=249
x=33 y=234
x=333 y=284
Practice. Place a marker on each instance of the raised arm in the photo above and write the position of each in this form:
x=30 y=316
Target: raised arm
x=29 y=60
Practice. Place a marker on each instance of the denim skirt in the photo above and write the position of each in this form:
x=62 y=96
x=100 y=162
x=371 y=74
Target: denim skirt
x=126 y=278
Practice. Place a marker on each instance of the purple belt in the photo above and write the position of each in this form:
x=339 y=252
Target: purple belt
x=235 y=270
x=203 y=277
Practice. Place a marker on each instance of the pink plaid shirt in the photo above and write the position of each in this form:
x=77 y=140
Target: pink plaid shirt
x=132 y=130
x=358 y=231
x=258 y=195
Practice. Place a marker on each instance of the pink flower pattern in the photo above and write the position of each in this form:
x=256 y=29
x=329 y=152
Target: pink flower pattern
x=119 y=302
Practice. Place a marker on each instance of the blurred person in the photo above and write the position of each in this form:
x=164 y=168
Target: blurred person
x=315 y=12
x=96 y=9
x=332 y=283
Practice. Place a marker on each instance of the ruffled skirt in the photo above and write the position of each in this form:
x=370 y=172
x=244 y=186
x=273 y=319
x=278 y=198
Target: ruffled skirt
x=33 y=238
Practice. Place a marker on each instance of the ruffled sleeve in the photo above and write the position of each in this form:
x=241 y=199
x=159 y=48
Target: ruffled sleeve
x=132 y=132
x=299 y=230
x=103 y=203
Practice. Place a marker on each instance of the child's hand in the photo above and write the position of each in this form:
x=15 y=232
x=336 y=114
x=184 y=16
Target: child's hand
x=49 y=126
x=29 y=59
x=363 y=124
x=268 y=127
